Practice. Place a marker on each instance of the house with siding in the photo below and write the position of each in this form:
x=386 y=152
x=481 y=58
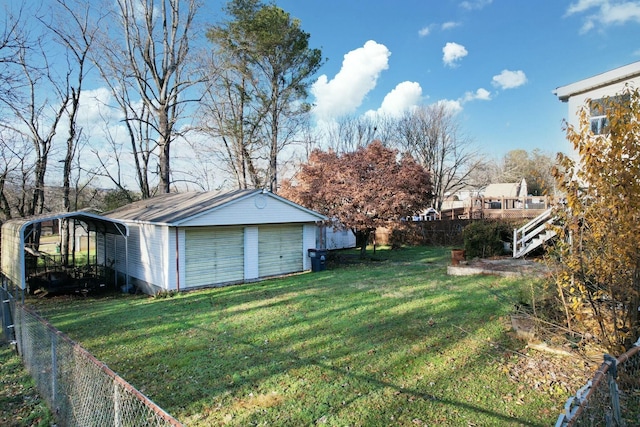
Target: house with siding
x=605 y=85
x=184 y=241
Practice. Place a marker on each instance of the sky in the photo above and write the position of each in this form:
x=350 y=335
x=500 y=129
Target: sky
x=495 y=62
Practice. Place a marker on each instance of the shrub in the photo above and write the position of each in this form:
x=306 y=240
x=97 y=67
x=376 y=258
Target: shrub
x=484 y=239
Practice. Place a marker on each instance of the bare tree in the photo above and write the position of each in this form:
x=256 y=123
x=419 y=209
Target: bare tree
x=75 y=33
x=14 y=154
x=270 y=55
x=433 y=136
x=228 y=117
x=148 y=62
x=37 y=118
x=535 y=166
x=142 y=146
x=13 y=40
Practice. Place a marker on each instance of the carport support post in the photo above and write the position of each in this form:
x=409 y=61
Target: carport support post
x=126 y=261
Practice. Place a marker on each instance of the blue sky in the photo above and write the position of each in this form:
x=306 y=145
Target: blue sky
x=496 y=62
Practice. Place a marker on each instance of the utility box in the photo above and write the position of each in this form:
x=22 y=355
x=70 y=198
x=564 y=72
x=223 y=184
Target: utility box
x=318 y=259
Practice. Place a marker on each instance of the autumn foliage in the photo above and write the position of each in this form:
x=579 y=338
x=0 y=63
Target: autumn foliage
x=599 y=248
x=363 y=189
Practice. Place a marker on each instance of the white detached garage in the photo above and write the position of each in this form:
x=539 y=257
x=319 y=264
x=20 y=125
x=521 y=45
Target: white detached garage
x=185 y=241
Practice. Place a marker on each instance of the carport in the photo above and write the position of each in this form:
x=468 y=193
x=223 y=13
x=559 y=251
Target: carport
x=16 y=234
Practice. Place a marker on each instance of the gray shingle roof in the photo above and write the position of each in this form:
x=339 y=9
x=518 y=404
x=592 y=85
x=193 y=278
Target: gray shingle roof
x=175 y=207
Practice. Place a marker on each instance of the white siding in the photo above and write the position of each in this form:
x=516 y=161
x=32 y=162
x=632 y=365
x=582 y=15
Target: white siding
x=13 y=254
x=251 y=270
x=578 y=101
x=280 y=249
x=214 y=255
x=182 y=257
x=148 y=254
x=254 y=210
x=339 y=239
x=309 y=241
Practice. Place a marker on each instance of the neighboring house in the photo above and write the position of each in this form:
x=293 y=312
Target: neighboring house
x=498 y=200
x=505 y=189
x=607 y=84
x=429 y=214
x=338 y=238
x=186 y=241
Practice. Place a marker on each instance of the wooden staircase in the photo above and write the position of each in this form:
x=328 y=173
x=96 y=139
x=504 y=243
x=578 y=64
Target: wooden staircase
x=533 y=234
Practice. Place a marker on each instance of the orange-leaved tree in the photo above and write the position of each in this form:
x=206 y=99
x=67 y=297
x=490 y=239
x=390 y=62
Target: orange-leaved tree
x=361 y=190
x=599 y=248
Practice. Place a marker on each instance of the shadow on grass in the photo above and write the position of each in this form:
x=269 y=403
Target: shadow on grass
x=368 y=344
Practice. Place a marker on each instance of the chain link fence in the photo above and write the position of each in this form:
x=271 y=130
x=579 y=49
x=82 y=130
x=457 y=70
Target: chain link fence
x=611 y=397
x=79 y=389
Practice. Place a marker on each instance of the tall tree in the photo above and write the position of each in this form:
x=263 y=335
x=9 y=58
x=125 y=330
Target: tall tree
x=349 y=133
x=432 y=135
x=363 y=189
x=599 y=249
x=15 y=172
x=534 y=166
x=13 y=40
x=74 y=32
x=148 y=61
x=269 y=63
x=37 y=118
x=228 y=115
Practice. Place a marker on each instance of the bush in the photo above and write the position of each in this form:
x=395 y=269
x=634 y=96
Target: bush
x=484 y=239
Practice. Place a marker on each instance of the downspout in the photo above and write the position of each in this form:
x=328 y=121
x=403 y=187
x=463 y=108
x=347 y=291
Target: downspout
x=177 y=262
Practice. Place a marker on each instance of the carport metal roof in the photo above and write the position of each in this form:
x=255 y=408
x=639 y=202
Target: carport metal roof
x=14 y=232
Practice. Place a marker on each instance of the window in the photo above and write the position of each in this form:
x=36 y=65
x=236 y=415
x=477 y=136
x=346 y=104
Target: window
x=599 y=109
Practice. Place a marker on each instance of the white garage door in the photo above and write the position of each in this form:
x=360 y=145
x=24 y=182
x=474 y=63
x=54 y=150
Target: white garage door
x=214 y=255
x=279 y=249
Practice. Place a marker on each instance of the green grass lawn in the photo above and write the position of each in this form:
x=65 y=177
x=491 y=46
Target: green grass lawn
x=393 y=341
x=20 y=404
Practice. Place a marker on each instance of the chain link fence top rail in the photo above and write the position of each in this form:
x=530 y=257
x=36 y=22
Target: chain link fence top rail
x=611 y=397
x=80 y=390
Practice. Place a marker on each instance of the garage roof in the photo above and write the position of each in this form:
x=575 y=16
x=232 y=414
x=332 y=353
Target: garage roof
x=175 y=208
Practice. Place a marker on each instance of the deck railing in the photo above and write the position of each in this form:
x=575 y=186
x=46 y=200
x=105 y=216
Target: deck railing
x=497 y=207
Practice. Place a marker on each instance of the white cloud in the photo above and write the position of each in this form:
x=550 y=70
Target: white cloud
x=480 y=94
x=605 y=12
x=453 y=52
x=357 y=77
x=509 y=79
x=475 y=4
x=454 y=106
x=424 y=31
x=401 y=99
x=583 y=5
x=94 y=106
x=449 y=25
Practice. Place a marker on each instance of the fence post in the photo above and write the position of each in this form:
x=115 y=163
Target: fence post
x=54 y=371
x=117 y=406
x=612 y=374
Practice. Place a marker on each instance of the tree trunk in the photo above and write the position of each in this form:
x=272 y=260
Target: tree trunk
x=362 y=239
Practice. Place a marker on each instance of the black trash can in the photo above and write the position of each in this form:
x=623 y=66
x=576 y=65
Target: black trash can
x=318 y=259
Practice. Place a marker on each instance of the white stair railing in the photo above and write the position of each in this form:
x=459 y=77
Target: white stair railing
x=533 y=234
